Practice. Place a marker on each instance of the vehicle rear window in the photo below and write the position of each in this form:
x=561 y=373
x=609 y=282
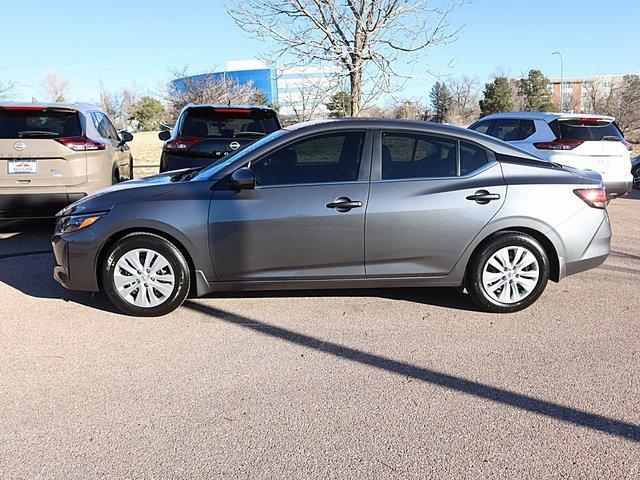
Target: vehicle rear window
x=232 y=123
x=587 y=131
x=39 y=124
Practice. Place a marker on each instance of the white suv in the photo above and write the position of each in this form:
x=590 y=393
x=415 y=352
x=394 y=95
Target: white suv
x=586 y=142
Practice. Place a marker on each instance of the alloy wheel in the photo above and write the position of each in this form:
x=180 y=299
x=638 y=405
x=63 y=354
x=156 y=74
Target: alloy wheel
x=510 y=274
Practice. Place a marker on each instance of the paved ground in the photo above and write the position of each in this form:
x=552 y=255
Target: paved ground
x=369 y=384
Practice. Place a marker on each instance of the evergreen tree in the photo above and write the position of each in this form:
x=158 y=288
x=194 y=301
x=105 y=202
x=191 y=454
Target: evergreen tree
x=498 y=97
x=149 y=113
x=339 y=105
x=535 y=90
x=441 y=101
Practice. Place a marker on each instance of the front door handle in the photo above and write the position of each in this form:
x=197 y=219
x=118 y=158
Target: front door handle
x=344 y=204
x=483 y=197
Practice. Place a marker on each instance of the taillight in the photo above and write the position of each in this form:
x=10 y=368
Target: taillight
x=80 y=144
x=594 y=197
x=560 y=144
x=181 y=143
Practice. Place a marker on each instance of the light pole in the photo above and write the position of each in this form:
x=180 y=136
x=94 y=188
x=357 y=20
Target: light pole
x=561 y=80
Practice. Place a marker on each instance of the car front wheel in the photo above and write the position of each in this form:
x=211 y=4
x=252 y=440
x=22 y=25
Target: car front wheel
x=145 y=275
x=508 y=273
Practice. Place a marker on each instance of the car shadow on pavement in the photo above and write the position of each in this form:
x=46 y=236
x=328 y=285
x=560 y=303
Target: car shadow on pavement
x=26 y=264
x=546 y=408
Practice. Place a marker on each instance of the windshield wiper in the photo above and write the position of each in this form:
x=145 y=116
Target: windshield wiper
x=37 y=133
x=250 y=134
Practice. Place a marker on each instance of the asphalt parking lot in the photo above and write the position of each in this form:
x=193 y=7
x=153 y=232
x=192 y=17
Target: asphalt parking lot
x=401 y=383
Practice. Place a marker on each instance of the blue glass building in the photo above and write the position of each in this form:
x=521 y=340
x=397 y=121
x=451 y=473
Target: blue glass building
x=263 y=79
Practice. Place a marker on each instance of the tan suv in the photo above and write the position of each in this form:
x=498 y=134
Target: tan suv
x=53 y=154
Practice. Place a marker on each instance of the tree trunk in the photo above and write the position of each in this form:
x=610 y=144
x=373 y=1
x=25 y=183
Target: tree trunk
x=355 y=77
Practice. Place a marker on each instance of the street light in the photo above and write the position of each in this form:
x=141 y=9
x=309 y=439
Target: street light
x=561 y=80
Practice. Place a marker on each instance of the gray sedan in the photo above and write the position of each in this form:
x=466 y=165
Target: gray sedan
x=340 y=204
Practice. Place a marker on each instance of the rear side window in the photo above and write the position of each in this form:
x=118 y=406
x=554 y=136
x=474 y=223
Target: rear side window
x=471 y=158
x=228 y=123
x=579 y=129
x=417 y=156
x=512 y=129
x=104 y=126
x=29 y=123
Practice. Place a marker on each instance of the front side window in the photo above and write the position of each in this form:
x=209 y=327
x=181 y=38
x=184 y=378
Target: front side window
x=104 y=126
x=407 y=156
x=328 y=158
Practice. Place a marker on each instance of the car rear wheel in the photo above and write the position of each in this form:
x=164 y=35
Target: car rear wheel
x=508 y=273
x=145 y=275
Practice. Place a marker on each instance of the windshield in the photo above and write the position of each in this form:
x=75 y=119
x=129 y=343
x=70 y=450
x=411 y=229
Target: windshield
x=224 y=162
x=30 y=123
x=228 y=123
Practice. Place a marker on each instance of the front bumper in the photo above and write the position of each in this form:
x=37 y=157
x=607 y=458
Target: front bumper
x=76 y=257
x=34 y=205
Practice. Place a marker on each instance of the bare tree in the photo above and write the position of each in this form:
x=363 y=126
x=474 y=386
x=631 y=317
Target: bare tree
x=596 y=96
x=306 y=96
x=56 y=89
x=7 y=89
x=207 y=88
x=407 y=110
x=465 y=92
x=118 y=104
x=365 y=39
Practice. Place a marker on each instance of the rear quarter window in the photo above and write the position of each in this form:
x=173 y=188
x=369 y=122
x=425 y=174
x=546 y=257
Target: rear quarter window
x=39 y=124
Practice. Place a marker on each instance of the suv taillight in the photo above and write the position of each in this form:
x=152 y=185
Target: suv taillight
x=560 y=144
x=181 y=143
x=594 y=197
x=80 y=144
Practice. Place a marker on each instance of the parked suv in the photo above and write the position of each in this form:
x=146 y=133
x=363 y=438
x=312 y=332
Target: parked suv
x=587 y=142
x=52 y=154
x=204 y=133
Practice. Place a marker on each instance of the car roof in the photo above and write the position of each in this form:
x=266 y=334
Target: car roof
x=546 y=116
x=491 y=143
x=218 y=106
x=79 y=107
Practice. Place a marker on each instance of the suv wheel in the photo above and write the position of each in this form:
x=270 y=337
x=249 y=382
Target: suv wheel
x=115 y=177
x=509 y=273
x=145 y=275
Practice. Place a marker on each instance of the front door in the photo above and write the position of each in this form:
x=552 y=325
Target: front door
x=430 y=196
x=304 y=219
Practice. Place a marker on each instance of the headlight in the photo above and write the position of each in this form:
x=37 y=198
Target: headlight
x=76 y=222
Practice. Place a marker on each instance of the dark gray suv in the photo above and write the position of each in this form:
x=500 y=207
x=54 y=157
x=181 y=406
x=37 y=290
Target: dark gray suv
x=347 y=203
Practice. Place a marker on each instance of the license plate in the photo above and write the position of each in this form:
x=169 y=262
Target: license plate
x=21 y=167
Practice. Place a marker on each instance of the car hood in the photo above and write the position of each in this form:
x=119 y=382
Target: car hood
x=104 y=200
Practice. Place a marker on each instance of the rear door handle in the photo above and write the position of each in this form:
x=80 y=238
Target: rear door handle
x=344 y=204
x=483 y=197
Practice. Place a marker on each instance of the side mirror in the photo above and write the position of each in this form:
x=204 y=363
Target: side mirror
x=164 y=135
x=126 y=136
x=243 y=179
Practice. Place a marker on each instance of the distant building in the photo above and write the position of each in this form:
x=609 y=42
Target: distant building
x=296 y=91
x=579 y=93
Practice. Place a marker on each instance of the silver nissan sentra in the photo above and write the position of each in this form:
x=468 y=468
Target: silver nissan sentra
x=340 y=204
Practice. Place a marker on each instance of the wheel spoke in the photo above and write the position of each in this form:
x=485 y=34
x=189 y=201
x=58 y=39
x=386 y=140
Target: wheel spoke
x=164 y=288
x=144 y=278
x=504 y=278
x=527 y=260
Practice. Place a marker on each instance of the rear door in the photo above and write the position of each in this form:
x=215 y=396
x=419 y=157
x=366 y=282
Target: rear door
x=430 y=196
x=33 y=151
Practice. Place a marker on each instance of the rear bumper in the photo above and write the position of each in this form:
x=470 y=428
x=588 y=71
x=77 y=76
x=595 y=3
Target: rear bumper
x=596 y=251
x=34 y=205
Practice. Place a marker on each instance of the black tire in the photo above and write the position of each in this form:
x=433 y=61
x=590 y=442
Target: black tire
x=131 y=168
x=115 y=177
x=477 y=263
x=171 y=253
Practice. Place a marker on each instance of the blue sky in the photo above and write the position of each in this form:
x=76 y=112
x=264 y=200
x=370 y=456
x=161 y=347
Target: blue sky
x=136 y=43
